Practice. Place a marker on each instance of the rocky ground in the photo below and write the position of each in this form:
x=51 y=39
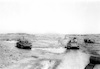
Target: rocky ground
x=36 y=55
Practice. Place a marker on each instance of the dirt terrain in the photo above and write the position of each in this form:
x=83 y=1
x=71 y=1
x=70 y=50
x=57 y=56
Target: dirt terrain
x=39 y=57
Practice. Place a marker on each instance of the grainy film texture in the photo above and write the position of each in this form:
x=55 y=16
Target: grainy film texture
x=44 y=51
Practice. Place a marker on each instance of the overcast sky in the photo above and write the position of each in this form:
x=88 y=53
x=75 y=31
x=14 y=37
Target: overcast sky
x=50 y=16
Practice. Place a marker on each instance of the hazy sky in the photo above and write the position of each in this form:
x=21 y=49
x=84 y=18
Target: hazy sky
x=50 y=16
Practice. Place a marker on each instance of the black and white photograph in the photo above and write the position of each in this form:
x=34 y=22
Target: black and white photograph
x=49 y=34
